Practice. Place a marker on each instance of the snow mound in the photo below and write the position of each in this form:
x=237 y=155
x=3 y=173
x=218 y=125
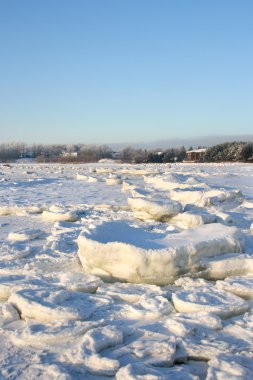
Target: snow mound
x=44 y=371
x=145 y=209
x=218 y=268
x=154 y=351
x=238 y=285
x=190 y=219
x=113 y=180
x=14 y=251
x=234 y=367
x=100 y=338
x=81 y=177
x=146 y=257
x=127 y=186
x=24 y=210
x=79 y=282
x=92 y=179
x=8 y=314
x=203 y=198
x=101 y=366
x=56 y=214
x=7 y=210
x=131 y=293
x=52 y=304
x=25 y=234
x=148 y=308
x=224 y=217
x=182 y=324
x=53 y=333
x=209 y=300
x=12 y=283
x=139 y=193
x=138 y=371
x=247 y=204
x=166 y=183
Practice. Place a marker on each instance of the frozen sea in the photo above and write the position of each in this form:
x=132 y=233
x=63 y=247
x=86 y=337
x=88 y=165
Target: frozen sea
x=126 y=271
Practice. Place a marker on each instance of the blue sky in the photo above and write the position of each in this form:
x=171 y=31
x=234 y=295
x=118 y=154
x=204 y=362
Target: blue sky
x=101 y=71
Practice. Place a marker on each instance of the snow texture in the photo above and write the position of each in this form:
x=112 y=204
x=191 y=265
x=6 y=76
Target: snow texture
x=117 y=271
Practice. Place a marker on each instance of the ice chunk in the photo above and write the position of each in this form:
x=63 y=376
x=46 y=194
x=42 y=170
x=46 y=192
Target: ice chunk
x=219 y=268
x=54 y=333
x=25 y=234
x=247 y=204
x=234 y=367
x=130 y=292
x=51 y=304
x=114 y=180
x=14 y=251
x=203 y=198
x=145 y=209
x=155 y=351
x=224 y=217
x=209 y=300
x=81 y=177
x=92 y=179
x=79 y=282
x=8 y=313
x=138 y=371
x=101 y=366
x=127 y=186
x=139 y=193
x=160 y=260
x=55 y=214
x=44 y=371
x=148 y=308
x=190 y=219
x=187 y=196
x=238 y=285
x=100 y=338
x=6 y=210
x=182 y=324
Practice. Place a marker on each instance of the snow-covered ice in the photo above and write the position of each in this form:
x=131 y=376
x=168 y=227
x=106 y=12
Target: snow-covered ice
x=126 y=271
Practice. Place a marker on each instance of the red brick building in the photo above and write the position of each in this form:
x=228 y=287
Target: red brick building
x=196 y=155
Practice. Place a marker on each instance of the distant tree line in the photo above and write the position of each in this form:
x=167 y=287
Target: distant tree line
x=86 y=153
x=235 y=151
x=230 y=151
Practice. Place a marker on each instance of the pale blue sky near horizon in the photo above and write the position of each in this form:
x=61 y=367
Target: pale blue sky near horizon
x=106 y=71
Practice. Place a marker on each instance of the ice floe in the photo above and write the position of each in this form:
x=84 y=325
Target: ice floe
x=161 y=260
x=210 y=300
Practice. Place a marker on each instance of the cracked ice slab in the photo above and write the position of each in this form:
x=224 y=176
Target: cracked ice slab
x=118 y=251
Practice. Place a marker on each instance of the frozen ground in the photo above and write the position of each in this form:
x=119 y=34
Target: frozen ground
x=126 y=272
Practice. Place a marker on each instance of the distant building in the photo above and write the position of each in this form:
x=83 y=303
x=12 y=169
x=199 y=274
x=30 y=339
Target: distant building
x=115 y=155
x=196 y=155
x=69 y=154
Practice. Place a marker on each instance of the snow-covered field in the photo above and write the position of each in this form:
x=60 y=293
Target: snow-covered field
x=126 y=272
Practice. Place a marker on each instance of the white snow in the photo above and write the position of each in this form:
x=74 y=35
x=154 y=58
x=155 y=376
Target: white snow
x=126 y=271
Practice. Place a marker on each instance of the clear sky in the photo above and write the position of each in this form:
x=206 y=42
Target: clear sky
x=101 y=71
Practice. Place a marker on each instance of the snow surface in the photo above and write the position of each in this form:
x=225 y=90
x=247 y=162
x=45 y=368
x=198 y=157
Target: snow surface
x=126 y=271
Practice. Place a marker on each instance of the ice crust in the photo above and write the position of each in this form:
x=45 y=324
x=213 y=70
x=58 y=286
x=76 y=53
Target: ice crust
x=53 y=304
x=126 y=271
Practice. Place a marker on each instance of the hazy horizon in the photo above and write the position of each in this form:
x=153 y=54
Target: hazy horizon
x=205 y=141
